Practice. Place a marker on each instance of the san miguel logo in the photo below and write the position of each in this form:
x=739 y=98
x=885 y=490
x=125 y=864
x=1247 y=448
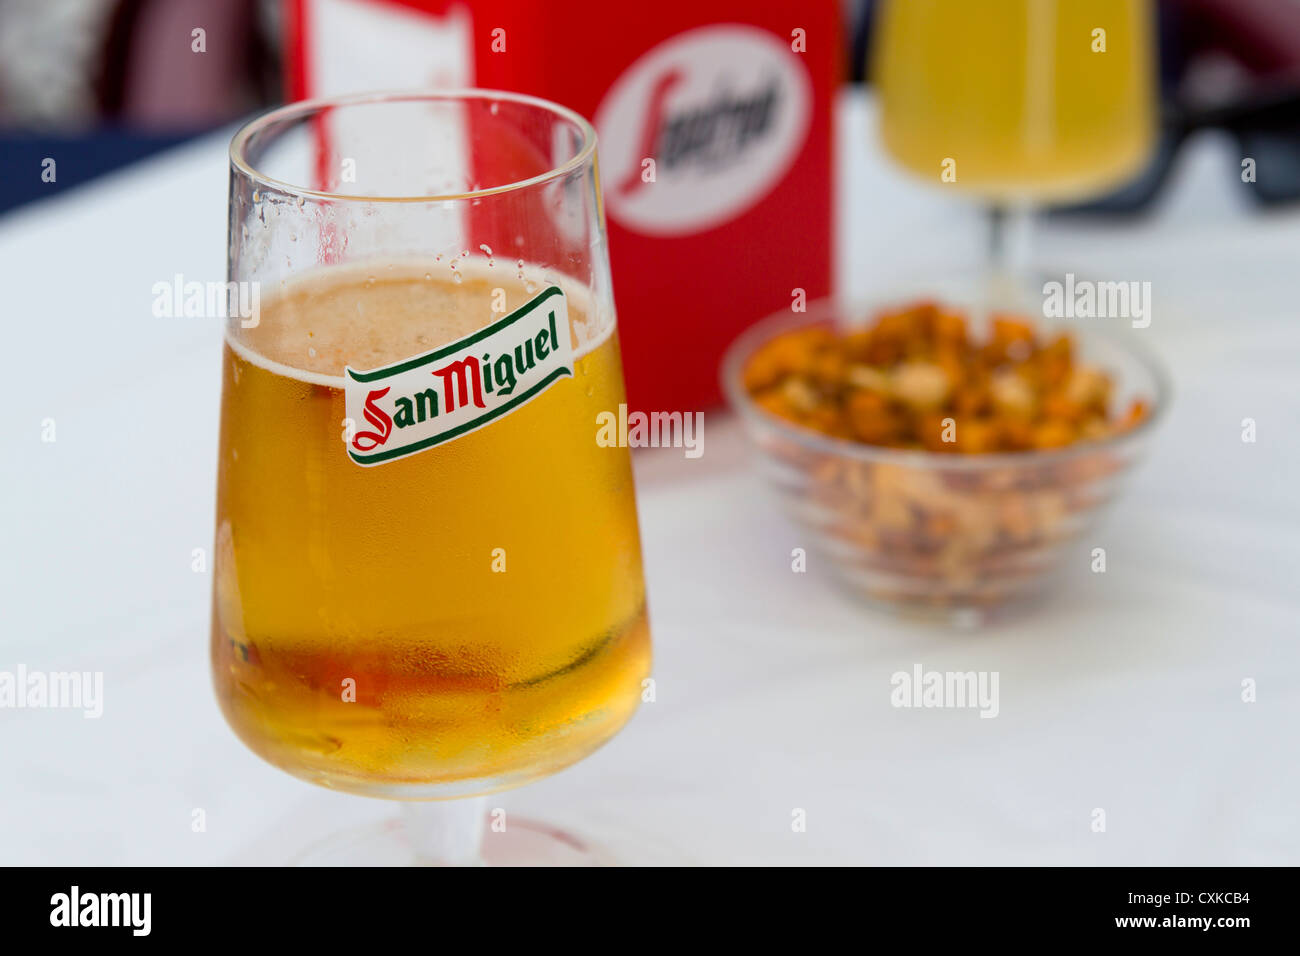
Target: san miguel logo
x=701 y=128
x=458 y=388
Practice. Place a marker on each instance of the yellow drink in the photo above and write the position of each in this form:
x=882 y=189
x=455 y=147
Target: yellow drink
x=1017 y=99
x=484 y=597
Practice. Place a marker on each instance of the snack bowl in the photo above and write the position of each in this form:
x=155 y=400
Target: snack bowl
x=958 y=535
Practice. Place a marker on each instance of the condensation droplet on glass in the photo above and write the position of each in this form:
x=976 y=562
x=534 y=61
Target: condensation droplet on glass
x=487 y=251
x=464 y=254
x=370 y=280
x=311 y=353
x=494 y=108
x=427 y=276
x=456 y=278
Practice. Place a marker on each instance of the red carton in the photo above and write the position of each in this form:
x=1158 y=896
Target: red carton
x=731 y=99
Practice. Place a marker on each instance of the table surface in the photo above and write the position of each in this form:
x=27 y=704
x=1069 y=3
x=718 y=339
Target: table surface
x=1123 y=692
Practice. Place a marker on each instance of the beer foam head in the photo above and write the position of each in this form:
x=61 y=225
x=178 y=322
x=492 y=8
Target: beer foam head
x=316 y=324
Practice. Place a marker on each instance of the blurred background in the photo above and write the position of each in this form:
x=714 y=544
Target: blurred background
x=1152 y=143
x=99 y=75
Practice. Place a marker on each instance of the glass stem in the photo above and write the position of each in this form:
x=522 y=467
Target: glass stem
x=446 y=832
x=1011 y=228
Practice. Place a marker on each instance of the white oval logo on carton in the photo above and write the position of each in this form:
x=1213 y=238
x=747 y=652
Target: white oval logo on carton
x=701 y=128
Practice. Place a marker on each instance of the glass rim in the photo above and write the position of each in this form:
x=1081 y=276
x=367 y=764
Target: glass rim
x=305 y=109
x=832 y=309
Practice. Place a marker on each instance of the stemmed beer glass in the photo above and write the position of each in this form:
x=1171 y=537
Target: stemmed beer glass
x=1017 y=102
x=428 y=572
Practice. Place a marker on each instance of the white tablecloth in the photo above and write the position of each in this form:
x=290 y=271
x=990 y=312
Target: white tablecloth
x=1123 y=692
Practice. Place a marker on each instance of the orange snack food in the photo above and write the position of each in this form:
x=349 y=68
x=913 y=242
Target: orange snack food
x=959 y=528
x=917 y=379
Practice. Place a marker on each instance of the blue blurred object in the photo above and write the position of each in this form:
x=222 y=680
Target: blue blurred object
x=78 y=159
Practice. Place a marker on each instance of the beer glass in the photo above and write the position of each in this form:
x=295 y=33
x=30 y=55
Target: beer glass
x=1017 y=101
x=428 y=576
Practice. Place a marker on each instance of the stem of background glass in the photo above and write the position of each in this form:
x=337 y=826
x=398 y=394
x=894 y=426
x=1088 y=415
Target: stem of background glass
x=446 y=832
x=1011 y=284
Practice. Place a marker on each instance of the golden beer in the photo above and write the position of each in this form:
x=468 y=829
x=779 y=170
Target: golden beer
x=1035 y=99
x=465 y=619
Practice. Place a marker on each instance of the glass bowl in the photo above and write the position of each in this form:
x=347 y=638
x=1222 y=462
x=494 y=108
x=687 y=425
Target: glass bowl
x=957 y=535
